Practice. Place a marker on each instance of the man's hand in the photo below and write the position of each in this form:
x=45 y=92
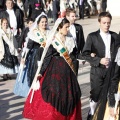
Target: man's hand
x=93 y=54
x=104 y=61
x=22 y=61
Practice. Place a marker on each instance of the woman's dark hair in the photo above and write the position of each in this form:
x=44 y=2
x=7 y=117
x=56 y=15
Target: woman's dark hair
x=64 y=21
x=43 y=16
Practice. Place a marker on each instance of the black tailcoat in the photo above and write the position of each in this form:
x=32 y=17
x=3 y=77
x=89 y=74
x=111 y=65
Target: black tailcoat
x=95 y=44
x=80 y=41
x=79 y=38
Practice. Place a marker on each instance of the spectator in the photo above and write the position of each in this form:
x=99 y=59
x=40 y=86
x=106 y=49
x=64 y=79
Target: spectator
x=24 y=34
x=2 y=4
x=14 y=17
x=8 y=53
x=37 y=11
x=50 y=9
x=56 y=9
x=81 y=8
x=104 y=5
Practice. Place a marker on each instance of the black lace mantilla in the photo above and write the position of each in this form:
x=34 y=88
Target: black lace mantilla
x=60 y=87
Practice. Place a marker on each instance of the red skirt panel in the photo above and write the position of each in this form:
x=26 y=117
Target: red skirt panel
x=41 y=110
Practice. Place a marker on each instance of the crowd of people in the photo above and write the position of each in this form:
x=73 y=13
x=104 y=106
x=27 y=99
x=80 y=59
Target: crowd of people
x=57 y=8
x=48 y=68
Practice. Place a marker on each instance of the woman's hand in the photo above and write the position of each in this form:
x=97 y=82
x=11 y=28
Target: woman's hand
x=112 y=114
x=22 y=61
x=39 y=76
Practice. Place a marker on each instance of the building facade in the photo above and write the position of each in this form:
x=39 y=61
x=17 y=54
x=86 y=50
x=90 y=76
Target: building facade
x=113 y=6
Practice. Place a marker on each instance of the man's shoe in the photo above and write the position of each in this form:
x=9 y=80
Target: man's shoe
x=89 y=117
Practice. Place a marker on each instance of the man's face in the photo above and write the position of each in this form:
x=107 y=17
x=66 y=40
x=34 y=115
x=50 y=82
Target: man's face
x=72 y=17
x=105 y=24
x=30 y=24
x=9 y=4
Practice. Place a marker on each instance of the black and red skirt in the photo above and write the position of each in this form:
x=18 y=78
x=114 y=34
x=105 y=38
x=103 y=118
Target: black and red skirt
x=58 y=97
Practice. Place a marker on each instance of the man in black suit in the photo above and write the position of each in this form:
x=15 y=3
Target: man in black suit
x=2 y=4
x=104 y=5
x=76 y=31
x=56 y=9
x=99 y=52
x=32 y=6
x=14 y=17
x=81 y=8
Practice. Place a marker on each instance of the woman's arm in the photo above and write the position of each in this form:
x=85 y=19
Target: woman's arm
x=114 y=86
x=46 y=60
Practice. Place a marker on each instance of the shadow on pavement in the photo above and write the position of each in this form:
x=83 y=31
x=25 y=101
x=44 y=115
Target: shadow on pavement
x=85 y=89
x=11 y=106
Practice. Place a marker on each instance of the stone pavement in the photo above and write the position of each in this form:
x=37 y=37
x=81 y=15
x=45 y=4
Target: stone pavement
x=11 y=106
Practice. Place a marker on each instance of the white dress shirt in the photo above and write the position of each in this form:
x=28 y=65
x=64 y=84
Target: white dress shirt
x=81 y=1
x=13 y=20
x=72 y=31
x=107 y=41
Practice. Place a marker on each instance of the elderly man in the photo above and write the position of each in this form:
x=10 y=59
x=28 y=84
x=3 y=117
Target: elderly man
x=14 y=17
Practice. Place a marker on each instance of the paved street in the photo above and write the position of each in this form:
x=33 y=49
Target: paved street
x=11 y=106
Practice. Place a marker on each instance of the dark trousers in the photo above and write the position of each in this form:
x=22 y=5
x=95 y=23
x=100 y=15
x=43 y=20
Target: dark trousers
x=81 y=11
x=104 y=6
x=55 y=16
x=76 y=66
x=97 y=76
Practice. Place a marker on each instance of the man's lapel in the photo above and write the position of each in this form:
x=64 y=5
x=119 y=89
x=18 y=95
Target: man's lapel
x=100 y=39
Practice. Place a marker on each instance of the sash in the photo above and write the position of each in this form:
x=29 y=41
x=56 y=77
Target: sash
x=39 y=38
x=59 y=46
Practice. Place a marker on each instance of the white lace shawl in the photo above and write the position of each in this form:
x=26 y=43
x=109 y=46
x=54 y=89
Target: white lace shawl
x=9 y=40
x=69 y=43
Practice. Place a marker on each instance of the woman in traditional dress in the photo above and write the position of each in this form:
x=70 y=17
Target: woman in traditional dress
x=8 y=53
x=114 y=91
x=58 y=98
x=32 y=53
